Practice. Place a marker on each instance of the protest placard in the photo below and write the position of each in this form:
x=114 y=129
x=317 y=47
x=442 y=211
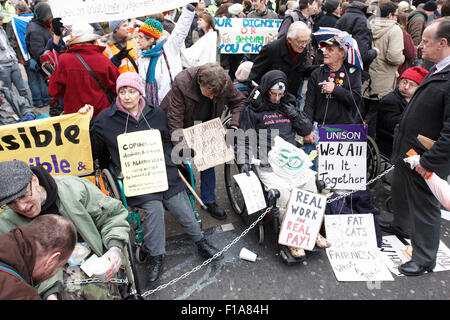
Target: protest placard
x=302 y=220
x=208 y=141
x=142 y=161
x=353 y=254
x=395 y=253
x=342 y=162
x=252 y=191
x=246 y=35
x=107 y=10
x=60 y=144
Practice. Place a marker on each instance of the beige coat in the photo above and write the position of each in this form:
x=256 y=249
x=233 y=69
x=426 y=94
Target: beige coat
x=388 y=38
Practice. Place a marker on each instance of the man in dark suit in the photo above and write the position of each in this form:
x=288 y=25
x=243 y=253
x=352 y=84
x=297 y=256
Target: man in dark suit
x=416 y=210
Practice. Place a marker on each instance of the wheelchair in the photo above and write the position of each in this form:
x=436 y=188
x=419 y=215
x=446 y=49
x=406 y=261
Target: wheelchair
x=272 y=218
x=110 y=181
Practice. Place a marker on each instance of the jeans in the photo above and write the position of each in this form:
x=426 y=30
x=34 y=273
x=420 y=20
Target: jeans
x=208 y=185
x=300 y=96
x=12 y=74
x=180 y=208
x=38 y=87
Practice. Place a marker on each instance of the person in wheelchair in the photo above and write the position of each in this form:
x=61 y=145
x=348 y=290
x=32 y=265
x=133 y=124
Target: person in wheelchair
x=131 y=113
x=270 y=107
x=392 y=105
x=100 y=221
x=14 y=108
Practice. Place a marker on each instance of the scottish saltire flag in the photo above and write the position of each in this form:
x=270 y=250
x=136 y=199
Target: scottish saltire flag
x=353 y=55
x=19 y=24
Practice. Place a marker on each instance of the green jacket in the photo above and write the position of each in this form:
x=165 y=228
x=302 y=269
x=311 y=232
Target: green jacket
x=99 y=219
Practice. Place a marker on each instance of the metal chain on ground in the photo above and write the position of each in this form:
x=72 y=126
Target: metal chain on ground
x=206 y=262
x=226 y=248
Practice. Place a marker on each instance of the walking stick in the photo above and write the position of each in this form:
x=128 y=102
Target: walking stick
x=192 y=191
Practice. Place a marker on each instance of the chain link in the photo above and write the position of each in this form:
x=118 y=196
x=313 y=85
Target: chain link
x=96 y=280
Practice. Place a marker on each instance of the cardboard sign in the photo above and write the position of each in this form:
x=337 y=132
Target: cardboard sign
x=395 y=254
x=252 y=191
x=342 y=160
x=107 y=10
x=208 y=141
x=246 y=35
x=142 y=160
x=302 y=220
x=354 y=255
x=61 y=144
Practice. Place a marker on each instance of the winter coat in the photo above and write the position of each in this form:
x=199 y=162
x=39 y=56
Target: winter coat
x=390 y=110
x=7 y=54
x=354 y=21
x=326 y=20
x=267 y=14
x=181 y=104
x=18 y=252
x=388 y=38
x=100 y=220
x=36 y=37
x=276 y=56
x=72 y=81
x=13 y=107
x=417 y=21
x=409 y=51
x=260 y=113
x=341 y=103
x=428 y=114
x=112 y=122
x=172 y=49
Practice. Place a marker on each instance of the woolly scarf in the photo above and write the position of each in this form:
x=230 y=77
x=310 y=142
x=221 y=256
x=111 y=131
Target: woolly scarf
x=151 y=87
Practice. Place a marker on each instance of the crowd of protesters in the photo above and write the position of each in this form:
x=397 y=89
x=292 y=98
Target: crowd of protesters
x=166 y=72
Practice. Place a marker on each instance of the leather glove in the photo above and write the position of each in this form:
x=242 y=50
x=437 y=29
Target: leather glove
x=245 y=168
x=33 y=65
x=288 y=110
x=57 y=26
x=122 y=54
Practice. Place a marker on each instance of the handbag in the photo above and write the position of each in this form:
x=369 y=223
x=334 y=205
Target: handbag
x=108 y=94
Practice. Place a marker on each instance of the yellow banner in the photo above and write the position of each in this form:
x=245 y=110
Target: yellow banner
x=61 y=144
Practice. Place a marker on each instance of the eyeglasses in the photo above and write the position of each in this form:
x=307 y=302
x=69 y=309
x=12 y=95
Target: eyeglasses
x=276 y=95
x=301 y=42
x=408 y=82
x=23 y=198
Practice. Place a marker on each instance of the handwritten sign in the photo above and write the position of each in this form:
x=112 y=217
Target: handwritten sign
x=354 y=255
x=142 y=162
x=342 y=162
x=107 y=10
x=252 y=192
x=395 y=253
x=60 y=144
x=302 y=220
x=246 y=35
x=208 y=141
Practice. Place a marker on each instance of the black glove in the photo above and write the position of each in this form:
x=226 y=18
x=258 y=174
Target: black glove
x=194 y=4
x=122 y=54
x=245 y=168
x=57 y=26
x=186 y=153
x=288 y=110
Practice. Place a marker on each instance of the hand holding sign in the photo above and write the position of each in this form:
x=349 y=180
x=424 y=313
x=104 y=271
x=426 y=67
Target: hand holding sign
x=87 y=109
x=327 y=86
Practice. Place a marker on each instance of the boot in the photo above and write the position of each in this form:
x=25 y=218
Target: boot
x=216 y=211
x=154 y=268
x=206 y=250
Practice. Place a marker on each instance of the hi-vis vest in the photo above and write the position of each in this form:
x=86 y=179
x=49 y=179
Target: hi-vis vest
x=126 y=64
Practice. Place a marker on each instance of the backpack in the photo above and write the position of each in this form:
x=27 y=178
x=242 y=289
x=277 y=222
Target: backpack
x=49 y=61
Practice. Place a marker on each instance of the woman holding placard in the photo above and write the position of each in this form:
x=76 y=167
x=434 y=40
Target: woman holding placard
x=128 y=116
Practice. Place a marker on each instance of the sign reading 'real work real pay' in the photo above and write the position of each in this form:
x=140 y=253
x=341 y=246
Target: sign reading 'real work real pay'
x=342 y=160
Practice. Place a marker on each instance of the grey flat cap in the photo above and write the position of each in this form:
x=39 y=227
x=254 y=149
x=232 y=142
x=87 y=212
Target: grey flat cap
x=14 y=178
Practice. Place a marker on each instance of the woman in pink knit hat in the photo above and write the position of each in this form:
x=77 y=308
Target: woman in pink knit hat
x=131 y=113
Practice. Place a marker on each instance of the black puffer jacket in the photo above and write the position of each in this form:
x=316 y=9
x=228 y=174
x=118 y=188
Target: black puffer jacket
x=355 y=22
x=260 y=113
x=36 y=38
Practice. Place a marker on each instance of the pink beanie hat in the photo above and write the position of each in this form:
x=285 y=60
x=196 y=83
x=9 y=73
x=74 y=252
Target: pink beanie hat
x=130 y=79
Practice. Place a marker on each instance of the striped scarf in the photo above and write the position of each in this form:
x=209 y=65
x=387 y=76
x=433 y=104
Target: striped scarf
x=151 y=87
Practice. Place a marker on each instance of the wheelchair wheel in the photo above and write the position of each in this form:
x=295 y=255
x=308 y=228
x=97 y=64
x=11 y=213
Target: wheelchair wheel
x=110 y=184
x=141 y=254
x=373 y=160
x=260 y=233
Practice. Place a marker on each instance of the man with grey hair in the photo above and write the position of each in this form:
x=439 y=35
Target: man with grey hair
x=287 y=54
